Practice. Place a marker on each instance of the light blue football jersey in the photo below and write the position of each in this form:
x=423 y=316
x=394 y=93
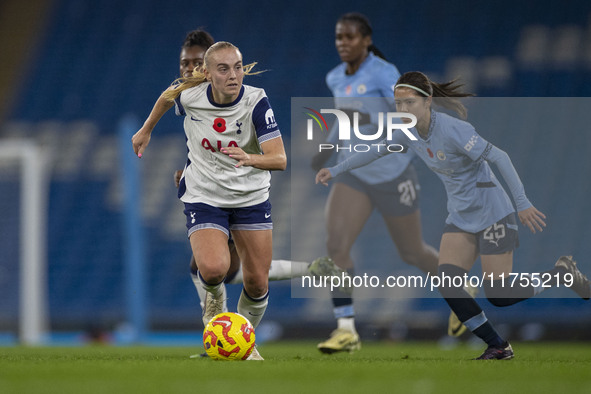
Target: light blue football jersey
x=374 y=78
x=458 y=155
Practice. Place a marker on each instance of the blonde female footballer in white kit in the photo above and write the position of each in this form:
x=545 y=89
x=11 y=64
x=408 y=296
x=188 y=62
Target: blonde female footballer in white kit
x=225 y=185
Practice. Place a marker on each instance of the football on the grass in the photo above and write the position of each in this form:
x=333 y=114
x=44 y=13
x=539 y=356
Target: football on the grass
x=228 y=336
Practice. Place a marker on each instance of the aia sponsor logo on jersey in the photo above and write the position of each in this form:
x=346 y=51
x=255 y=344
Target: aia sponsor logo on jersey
x=217 y=146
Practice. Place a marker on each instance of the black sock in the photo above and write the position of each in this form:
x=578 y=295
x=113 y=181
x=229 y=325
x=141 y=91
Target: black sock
x=505 y=292
x=466 y=307
x=489 y=335
x=556 y=272
x=342 y=300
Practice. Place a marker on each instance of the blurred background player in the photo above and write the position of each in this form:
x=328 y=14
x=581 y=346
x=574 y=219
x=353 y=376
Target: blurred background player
x=481 y=220
x=228 y=128
x=192 y=56
x=389 y=184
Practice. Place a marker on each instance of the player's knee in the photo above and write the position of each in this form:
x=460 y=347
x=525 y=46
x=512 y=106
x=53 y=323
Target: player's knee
x=451 y=281
x=256 y=288
x=256 y=282
x=337 y=248
x=213 y=273
x=500 y=302
x=422 y=258
x=495 y=293
x=212 y=278
x=411 y=257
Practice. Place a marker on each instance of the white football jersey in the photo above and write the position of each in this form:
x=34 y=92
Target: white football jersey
x=210 y=176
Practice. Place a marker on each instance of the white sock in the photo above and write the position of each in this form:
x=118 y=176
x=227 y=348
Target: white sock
x=346 y=323
x=280 y=270
x=218 y=290
x=200 y=290
x=286 y=269
x=251 y=308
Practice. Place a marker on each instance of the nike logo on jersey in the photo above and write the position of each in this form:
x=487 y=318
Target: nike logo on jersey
x=267 y=215
x=195 y=119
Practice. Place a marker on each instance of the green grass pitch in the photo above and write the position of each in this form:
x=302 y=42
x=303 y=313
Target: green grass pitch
x=297 y=367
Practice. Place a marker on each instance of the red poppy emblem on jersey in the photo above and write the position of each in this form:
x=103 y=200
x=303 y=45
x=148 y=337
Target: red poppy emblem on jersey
x=430 y=153
x=219 y=125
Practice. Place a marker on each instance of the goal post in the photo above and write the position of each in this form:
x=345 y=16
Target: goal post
x=33 y=308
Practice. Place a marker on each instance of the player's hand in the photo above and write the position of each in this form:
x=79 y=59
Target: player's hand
x=533 y=219
x=239 y=155
x=140 y=141
x=177 y=177
x=323 y=176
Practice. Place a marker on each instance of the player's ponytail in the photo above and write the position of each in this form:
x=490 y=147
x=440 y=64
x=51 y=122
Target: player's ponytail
x=376 y=51
x=444 y=94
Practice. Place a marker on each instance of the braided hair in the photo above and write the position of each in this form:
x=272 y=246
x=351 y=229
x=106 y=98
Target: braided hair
x=364 y=27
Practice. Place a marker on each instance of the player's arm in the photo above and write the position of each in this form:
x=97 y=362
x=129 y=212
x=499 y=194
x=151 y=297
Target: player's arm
x=528 y=214
x=269 y=137
x=354 y=161
x=141 y=139
x=178 y=174
x=273 y=157
x=320 y=158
